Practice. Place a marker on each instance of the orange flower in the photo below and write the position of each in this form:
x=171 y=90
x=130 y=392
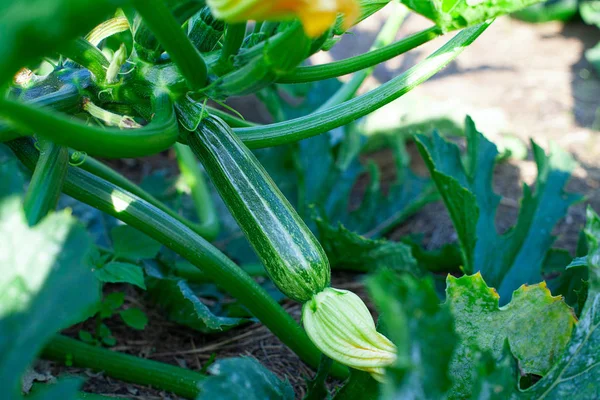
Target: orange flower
x=316 y=15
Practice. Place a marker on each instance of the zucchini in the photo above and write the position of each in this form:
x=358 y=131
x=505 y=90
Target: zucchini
x=292 y=256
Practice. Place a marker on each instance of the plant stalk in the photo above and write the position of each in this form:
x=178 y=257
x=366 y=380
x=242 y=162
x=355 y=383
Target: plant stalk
x=194 y=178
x=46 y=183
x=125 y=367
x=160 y=134
x=362 y=61
x=169 y=33
x=320 y=122
x=88 y=56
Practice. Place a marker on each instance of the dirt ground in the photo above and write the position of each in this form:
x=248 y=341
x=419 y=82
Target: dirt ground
x=526 y=81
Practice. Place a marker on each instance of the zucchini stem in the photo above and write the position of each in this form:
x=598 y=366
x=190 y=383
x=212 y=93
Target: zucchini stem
x=320 y=122
x=194 y=178
x=125 y=367
x=88 y=56
x=169 y=33
x=160 y=134
x=103 y=171
x=362 y=61
x=46 y=184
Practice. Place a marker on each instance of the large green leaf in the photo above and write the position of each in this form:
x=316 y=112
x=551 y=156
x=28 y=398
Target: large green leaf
x=576 y=374
x=423 y=331
x=41 y=291
x=536 y=325
x=509 y=260
x=31 y=29
x=348 y=250
x=457 y=14
x=182 y=305
x=244 y=379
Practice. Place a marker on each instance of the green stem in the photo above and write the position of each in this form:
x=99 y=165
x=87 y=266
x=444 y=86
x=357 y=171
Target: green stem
x=234 y=37
x=194 y=178
x=141 y=215
x=107 y=29
x=101 y=170
x=125 y=367
x=231 y=120
x=342 y=114
x=65 y=99
x=169 y=33
x=46 y=184
x=386 y=36
x=88 y=56
x=160 y=134
x=366 y=60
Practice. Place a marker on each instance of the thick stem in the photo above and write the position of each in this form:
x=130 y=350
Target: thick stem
x=141 y=215
x=160 y=134
x=66 y=99
x=194 y=178
x=169 y=33
x=342 y=114
x=101 y=170
x=366 y=60
x=46 y=184
x=234 y=37
x=125 y=367
x=88 y=56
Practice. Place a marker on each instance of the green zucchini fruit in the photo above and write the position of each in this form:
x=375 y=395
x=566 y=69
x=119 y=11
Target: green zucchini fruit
x=292 y=256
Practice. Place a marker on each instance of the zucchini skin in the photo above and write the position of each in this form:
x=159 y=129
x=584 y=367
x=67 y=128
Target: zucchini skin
x=292 y=256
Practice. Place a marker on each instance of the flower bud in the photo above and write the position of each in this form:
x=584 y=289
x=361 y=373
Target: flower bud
x=316 y=15
x=341 y=326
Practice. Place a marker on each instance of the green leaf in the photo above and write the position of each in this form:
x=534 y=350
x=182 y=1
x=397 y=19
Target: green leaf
x=183 y=306
x=565 y=281
x=590 y=12
x=351 y=251
x=41 y=291
x=457 y=14
x=509 y=260
x=536 y=325
x=496 y=378
x=131 y=244
x=576 y=373
x=110 y=303
x=593 y=56
x=360 y=386
x=134 y=318
x=64 y=389
x=244 y=379
x=421 y=328
x=121 y=272
x=31 y=29
x=316 y=388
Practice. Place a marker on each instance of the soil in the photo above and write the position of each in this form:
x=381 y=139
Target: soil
x=517 y=80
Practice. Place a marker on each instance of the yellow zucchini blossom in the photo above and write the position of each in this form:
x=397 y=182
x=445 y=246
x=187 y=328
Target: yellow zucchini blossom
x=316 y=15
x=341 y=326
